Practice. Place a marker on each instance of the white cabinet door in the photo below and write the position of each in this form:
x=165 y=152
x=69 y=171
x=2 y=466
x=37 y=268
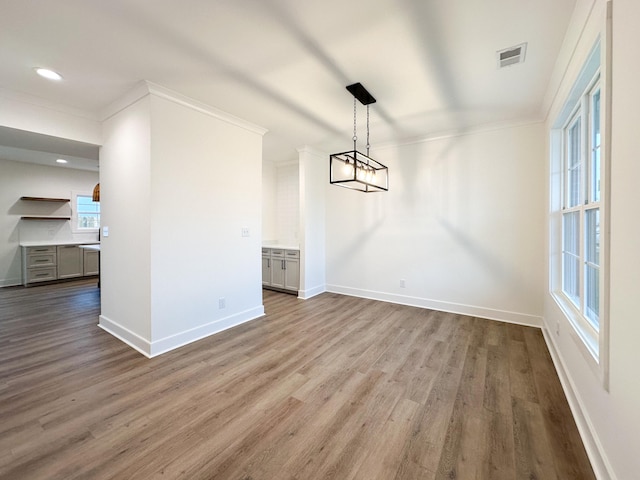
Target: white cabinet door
x=277 y=272
x=292 y=274
x=266 y=270
x=70 y=261
x=91 y=262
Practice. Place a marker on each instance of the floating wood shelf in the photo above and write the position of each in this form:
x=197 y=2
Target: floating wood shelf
x=45 y=199
x=33 y=217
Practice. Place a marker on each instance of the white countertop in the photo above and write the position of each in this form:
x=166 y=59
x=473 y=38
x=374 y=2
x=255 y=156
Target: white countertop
x=48 y=243
x=283 y=246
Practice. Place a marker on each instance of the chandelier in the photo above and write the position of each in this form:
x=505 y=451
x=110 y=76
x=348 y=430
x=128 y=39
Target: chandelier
x=353 y=169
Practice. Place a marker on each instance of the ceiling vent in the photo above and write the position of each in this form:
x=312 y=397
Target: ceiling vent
x=512 y=55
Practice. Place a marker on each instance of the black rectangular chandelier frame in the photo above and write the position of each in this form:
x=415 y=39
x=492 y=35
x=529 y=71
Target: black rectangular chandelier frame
x=353 y=169
x=357 y=171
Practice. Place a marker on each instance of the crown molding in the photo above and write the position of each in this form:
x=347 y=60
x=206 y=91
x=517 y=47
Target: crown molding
x=43 y=103
x=144 y=88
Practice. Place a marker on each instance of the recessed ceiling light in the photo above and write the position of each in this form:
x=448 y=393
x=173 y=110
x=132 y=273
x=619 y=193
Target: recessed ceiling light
x=61 y=160
x=50 y=74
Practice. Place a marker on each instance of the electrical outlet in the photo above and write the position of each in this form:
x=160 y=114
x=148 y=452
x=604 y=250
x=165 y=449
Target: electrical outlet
x=245 y=231
x=222 y=303
x=403 y=283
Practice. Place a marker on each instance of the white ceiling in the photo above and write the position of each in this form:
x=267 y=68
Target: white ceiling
x=283 y=64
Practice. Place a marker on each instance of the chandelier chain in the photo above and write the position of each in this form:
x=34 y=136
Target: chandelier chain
x=355 y=136
x=368 y=144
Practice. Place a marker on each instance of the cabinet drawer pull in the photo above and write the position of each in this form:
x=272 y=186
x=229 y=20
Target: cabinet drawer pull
x=42 y=275
x=42 y=260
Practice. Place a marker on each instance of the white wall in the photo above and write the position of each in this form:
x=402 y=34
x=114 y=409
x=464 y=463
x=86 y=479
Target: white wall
x=125 y=201
x=206 y=177
x=314 y=178
x=19 y=179
x=609 y=421
x=288 y=204
x=281 y=203
x=179 y=182
x=269 y=196
x=462 y=225
x=620 y=417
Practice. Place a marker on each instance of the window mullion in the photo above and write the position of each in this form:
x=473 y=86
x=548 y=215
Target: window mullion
x=584 y=149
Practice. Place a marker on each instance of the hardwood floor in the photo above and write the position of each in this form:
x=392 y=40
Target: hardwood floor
x=329 y=388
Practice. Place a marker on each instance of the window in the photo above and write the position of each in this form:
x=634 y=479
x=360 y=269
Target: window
x=87 y=213
x=581 y=212
x=580 y=275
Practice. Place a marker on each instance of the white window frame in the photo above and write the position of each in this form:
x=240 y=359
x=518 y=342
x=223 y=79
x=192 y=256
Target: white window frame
x=75 y=228
x=592 y=342
x=584 y=114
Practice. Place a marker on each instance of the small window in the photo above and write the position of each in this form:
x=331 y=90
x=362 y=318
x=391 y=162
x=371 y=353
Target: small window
x=87 y=213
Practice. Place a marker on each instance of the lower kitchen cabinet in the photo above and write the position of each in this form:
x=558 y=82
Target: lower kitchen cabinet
x=91 y=262
x=39 y=264
x=266 y=267
x=70 y=261
x=281 y=269
x=292 y=272
x=46 y=263
x=277 y=268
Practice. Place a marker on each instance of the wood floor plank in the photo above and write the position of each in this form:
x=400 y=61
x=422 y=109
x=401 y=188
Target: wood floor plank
x=385 y=456
x=334 y=387
x=563 y=433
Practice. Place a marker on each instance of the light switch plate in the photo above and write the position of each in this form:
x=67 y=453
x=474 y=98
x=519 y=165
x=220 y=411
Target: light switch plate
x=245 y=231
x=105 y=231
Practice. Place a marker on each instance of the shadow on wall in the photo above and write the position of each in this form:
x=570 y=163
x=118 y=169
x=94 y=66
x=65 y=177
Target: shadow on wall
x=435 y=177
x=437 y=66
x=491 y=263
x=439 y=184
x=366 y=231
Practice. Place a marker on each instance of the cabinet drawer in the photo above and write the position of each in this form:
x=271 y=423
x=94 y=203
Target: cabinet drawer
x=41 y=274
x=44 y=260
x=277 y=252
x=292 y=253
x=41 y=250
x=266 y=251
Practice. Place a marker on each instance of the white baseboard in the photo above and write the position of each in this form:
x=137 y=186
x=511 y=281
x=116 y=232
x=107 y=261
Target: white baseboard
x=311 y=292
x=132 y=339
x=474 y=311
x=10 y=282
x=188 y=336
x=595 y=452
x=158 y=347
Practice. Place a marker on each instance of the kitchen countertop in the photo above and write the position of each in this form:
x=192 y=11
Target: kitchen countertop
x=284 y=246
x=48 y=243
